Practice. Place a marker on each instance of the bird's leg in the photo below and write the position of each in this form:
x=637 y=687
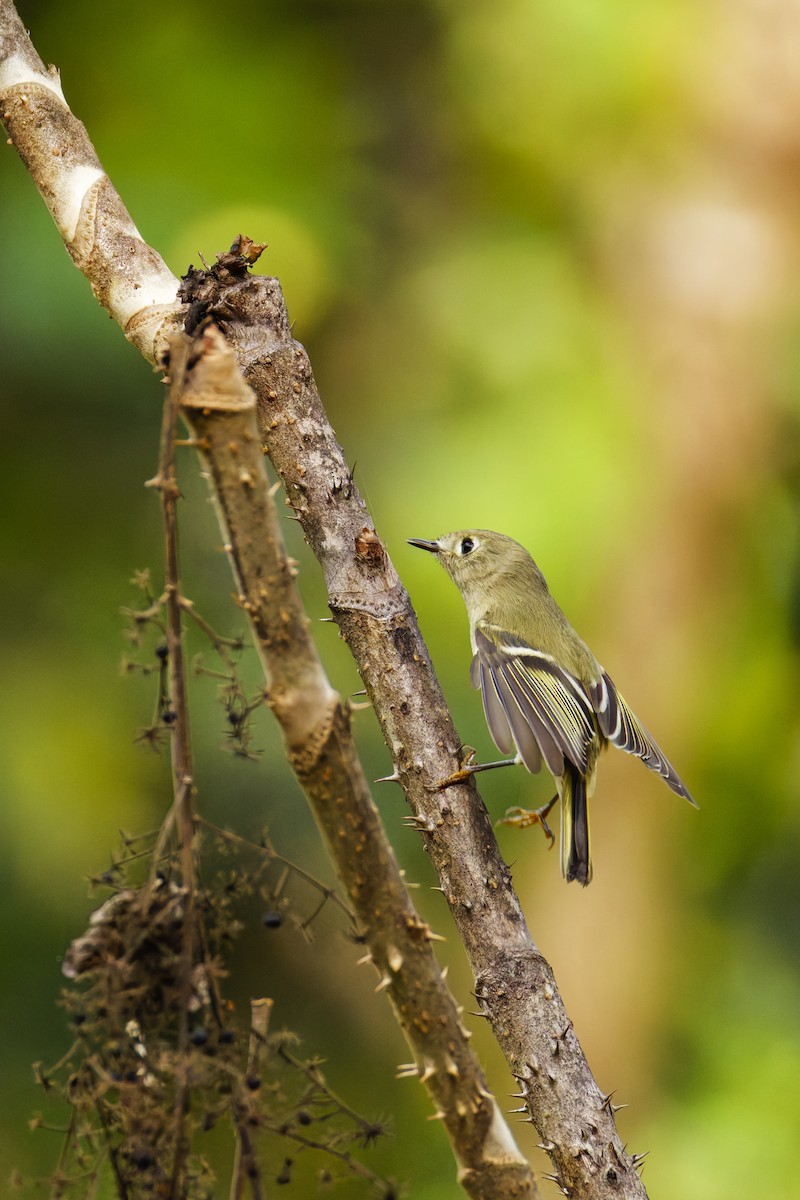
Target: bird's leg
x=470 y=767
x=523 y=818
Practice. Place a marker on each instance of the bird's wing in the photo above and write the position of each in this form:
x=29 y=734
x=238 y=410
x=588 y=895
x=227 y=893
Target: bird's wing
x=529 y=698
x=523 y=738
x=496 y=718
x=623 y=729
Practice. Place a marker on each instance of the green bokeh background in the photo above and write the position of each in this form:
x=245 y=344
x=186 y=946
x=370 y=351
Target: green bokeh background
x=543 y=256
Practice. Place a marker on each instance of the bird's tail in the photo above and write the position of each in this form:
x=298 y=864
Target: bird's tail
x=576 y=861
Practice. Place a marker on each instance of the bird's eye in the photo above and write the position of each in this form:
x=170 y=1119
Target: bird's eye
x=466 y=546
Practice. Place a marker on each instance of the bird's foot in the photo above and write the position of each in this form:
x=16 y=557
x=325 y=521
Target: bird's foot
x=469 y=767
x=523 y=818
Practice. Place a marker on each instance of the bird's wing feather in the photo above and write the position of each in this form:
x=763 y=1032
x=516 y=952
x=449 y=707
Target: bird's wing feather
x=540 y=700
x=492 y=706
x=623 y=729
x=500 y=719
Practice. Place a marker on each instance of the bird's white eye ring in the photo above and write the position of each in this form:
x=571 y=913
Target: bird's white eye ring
x=466 y=547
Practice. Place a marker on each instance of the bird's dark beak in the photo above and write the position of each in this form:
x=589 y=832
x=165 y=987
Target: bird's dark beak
x=433 y=547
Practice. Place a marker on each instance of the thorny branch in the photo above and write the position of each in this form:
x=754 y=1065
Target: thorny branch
x=221 y=413
x=514 y=984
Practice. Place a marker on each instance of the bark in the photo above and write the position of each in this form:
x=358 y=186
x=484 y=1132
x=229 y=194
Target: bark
x=221 y=412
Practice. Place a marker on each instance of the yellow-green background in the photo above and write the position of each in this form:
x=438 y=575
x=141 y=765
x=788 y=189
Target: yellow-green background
x=543 y=255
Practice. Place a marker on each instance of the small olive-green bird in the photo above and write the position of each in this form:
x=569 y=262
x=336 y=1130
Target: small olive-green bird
x=544 y=693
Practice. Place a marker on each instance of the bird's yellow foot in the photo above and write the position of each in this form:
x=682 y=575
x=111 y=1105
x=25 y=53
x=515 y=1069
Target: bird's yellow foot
x=523 y=818
x=469 y=767
x=467 y=758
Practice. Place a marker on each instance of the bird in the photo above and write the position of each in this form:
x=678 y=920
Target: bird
x=545 y=696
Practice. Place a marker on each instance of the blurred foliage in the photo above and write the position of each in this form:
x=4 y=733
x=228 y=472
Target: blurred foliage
x=543 y=258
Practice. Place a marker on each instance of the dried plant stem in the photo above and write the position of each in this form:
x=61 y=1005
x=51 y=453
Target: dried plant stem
x=244 y=1163
x=166 y=482
x=119 y=1178
x=182 y=769
x=353 y=1164
x=272 y=855
x=220 y=411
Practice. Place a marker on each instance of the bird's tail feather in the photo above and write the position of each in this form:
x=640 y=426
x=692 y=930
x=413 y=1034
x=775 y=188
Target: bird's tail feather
x=576 y=860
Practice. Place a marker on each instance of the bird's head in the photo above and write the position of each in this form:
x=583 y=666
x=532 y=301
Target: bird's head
x=476 y=559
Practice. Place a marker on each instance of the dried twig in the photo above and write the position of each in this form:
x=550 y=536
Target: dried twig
x=244 y=1162
x=268 y=852
x=166 y=482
